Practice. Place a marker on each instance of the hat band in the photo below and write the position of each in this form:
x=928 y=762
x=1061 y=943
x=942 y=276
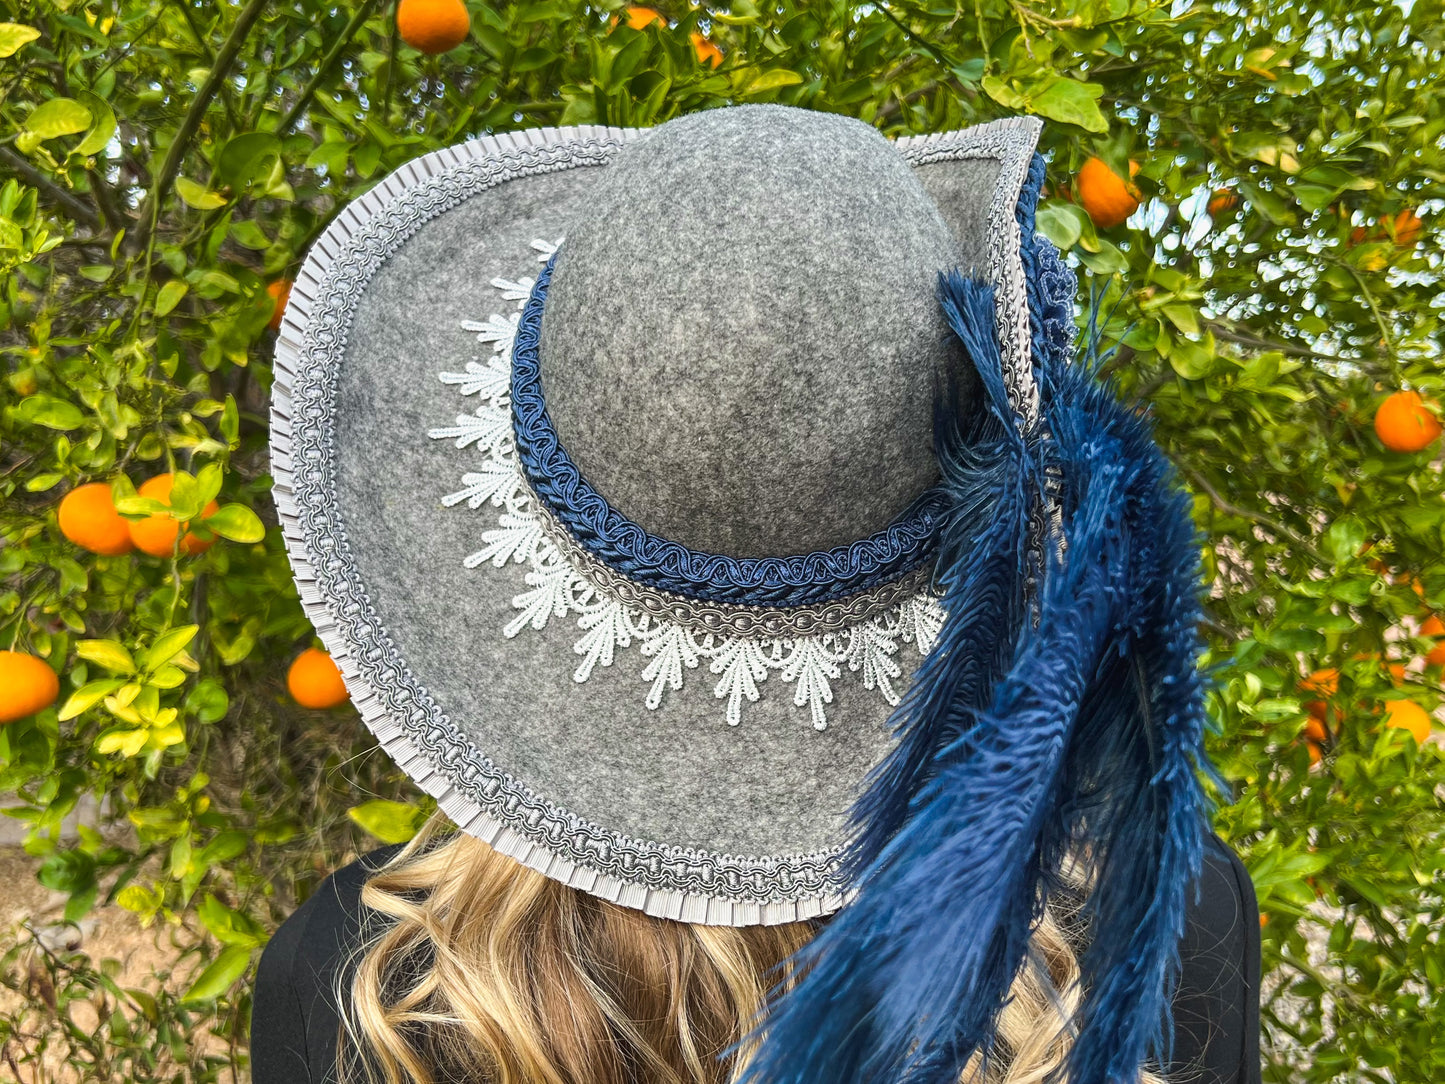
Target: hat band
x=905 y=545
x=723 y=618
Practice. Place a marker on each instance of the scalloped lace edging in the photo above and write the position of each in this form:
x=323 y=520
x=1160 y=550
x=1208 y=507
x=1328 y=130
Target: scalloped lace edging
x=669 y=651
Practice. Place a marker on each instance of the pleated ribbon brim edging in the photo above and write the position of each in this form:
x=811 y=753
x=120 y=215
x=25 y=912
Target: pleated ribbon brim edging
x=413 y=728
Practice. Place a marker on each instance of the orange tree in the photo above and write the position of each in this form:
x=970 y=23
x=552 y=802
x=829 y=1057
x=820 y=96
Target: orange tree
x=165 y=164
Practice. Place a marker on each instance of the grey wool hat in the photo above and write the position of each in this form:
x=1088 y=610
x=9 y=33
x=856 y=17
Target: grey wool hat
x=718 y=520
x=740 y=351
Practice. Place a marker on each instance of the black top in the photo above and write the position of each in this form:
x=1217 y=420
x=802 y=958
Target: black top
x=294 y=1020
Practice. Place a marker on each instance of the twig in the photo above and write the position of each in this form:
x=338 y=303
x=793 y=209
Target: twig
x=323 y=70
x=1288 y=349
x=393 y=45
x=1229 y=509
x=927 y=46
x=1386 y=338
x=210 y=55
x=105 y=200
x=77 y=207
x=150 y=209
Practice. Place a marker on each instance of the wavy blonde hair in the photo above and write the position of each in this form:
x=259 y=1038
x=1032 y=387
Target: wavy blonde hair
x=481 y=969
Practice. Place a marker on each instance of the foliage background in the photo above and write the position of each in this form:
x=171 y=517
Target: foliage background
x=164 y=160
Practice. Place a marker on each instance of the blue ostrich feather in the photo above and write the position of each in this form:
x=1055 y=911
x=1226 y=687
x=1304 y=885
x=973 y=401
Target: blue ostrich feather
x=1051 y=721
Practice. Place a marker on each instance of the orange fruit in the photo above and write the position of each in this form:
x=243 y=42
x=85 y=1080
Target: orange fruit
x=1405 y=424
x=707 y=52
x=639 y=18
x=1412 y=580
x=1406 y=227
x=1433 y=626
x=156 y=535
x=1397 y=672
x=1224 y=199
x=280 y=292
x=1263 y=921
x=89 y=519
x=1326 y=682
x=1107 y=197
x=27 y=685
x=1315 y=729
x=1408 y=715
x=433 y=26
x=314 y=680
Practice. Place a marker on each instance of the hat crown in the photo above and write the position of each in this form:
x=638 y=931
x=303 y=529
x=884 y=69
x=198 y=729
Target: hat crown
x=742 y=340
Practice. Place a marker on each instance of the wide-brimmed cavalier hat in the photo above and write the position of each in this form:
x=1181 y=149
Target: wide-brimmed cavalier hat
x=716 y=519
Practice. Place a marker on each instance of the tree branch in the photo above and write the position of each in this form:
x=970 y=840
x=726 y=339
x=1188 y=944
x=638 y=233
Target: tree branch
x=77 y=207
x=1244 y=513
x=150 y=209
x=323 y=70
x=210 y=54
x=1293 y=350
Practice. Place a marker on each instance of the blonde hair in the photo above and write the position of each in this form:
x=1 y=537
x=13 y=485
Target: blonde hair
x=482 y=969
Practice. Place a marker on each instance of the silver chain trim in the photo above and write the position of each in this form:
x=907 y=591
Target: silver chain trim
x=720 y=617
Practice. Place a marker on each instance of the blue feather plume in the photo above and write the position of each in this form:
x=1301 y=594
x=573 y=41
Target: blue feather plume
x=1059 y=719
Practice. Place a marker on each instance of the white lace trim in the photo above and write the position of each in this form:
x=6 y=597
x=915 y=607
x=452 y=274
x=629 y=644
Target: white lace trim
x=556 y=590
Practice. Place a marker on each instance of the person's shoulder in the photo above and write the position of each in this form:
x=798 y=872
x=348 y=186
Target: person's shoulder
x=1225 y=909
x=294 y=1016
x=332 y=919
x=1216 y=1004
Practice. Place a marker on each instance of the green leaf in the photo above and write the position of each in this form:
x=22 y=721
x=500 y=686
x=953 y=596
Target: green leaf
x=1003 y=93
x=773 y=79
x=1108 y=260
x=390 y=822
x=197 y=195
x=225 y=847
x=1193 y=359
x=366 y=156
x=110 y=654
x=1094 y=12
x=1183 y=317
x=248 y=233
x=247 y=158
x=236 y=522
x=1062 y=223
x=208 y=701
x=102 y=127
x=1344 y=539
x=228 y=925
x=208 y=483
x=50 y=412
x=167 y=646
x=57 y=117
x=87 y=696
x=15 y=35
x=169 y=296
x=221 y=974
x=1070 y=102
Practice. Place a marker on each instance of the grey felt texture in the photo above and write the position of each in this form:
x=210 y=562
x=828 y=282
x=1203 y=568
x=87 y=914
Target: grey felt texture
x=678 y=775
x=962 y=192
x=742 y=340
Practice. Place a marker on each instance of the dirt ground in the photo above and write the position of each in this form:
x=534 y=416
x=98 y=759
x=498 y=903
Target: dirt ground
x=108 y=933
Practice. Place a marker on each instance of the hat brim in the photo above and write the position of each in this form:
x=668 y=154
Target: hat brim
x=668 y=810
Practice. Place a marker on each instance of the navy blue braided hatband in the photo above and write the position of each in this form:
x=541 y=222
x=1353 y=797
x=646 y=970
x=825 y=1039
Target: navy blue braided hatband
x=807 y=579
